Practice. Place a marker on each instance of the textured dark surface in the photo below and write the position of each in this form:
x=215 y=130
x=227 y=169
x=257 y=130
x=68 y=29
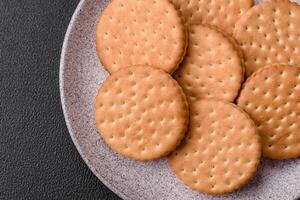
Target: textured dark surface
x=37 y=157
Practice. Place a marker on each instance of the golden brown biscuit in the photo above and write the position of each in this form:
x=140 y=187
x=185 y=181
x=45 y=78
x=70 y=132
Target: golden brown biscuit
x=220 y=13
x=270 y=33
x=134 y=32
x=271 y=96
x=212 y=67
x=141 y=112
x=222 y=149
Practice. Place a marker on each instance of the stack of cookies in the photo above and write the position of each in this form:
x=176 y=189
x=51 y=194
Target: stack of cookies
x=210 y=84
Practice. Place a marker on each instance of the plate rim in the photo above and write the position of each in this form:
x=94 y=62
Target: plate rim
x=63 y=104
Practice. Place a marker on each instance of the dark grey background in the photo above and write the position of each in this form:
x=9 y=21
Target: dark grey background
x=37 y=157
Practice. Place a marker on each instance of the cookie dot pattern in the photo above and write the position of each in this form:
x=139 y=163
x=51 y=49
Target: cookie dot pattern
x=220 y=13
x=140 y=32
x=212 y=67
x=269 y=33
x=141 y=113
x=221 y=151
x=271 y=96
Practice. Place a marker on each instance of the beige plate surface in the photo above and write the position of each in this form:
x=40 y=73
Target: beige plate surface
x=80 y=76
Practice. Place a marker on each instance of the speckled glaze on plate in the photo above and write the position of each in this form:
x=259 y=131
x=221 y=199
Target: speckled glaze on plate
x=80 y=77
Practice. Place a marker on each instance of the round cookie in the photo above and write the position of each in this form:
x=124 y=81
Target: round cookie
x=270 y=33
x=221 y=151
x=212 y=67
x=220 y=13
x=271 y=96
x=141 y=32
x=141 y=112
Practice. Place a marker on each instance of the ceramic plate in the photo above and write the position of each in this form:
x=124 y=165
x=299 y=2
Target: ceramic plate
x=80 y=77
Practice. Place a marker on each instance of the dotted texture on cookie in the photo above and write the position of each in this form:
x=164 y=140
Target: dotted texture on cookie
x=270 y=33
x=236 y=46
x=212 y=67
x=271 y=96
x=221 y=151
x=138 y=32
x=141 y=113
x=220 y=13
